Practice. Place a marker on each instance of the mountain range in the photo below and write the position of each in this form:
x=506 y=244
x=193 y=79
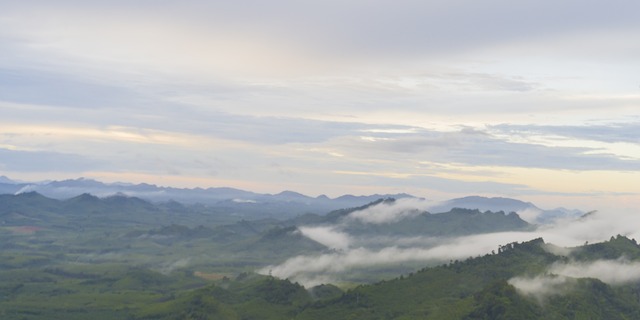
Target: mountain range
x=116 y=255
x=526 y=210
x=284 y=205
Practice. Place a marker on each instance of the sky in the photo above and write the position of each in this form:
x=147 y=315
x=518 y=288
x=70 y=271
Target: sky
x=535 y=100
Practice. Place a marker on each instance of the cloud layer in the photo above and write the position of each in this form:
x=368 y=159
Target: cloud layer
x=560 y=277
x=387 y=212
x=358 y=251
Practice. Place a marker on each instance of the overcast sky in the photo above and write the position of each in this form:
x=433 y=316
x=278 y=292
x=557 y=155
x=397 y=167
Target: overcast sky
x=533 y=99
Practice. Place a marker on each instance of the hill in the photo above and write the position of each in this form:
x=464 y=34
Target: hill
x=487 y=287
x=125 y=257
x=527 y=210
x=83 y=211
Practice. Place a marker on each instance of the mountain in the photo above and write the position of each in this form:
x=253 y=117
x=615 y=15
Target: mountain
x=526 y=210
x=456 y=222
x=88 y=211
x=30 y=209
x=520 y=281
x=284 y=205
x=278 y=243
x=257 y=242
x=514 y=283
x=8 y=186
x=485 y=288
x=5 y=180
x=408 y=221
x=484 y=204
x=125 y=257
x=248 y=204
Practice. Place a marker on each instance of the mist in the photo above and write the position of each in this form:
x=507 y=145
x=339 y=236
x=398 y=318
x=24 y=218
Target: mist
x=530 y=215
x=328 y=236
x=541 y=287
x=613 y=272
x=170 y=266
x=560 y=277
x=390 y=211
x=347 y=252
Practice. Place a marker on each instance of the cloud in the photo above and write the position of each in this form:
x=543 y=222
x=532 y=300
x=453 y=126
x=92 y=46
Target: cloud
x=611 y=132
x=530 y=215
x=613 y=272
x=369 y=250
x=595 y=227
x=489 y=82
x=43 y=161
x=333 y=265
x=169 y=266
x=611 y=139
x=559 y=278
x=62 y=90
x=389 y=211
x=482 y=147
x=328 y=236
x=541 y=287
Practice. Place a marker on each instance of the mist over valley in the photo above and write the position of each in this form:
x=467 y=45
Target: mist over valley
x=292 y=238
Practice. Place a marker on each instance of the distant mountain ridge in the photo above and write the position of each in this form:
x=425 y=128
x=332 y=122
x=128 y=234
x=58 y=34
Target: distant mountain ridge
x=527 y=210
x=285 y=204
x=4 y=179
x=483 y=204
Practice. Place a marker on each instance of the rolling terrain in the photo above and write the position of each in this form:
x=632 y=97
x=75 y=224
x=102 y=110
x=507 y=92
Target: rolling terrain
x=125 y=257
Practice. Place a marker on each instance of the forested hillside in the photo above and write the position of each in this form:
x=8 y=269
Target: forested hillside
x=529 y=280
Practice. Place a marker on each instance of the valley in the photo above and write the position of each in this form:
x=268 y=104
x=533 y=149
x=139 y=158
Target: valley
x=124 y=257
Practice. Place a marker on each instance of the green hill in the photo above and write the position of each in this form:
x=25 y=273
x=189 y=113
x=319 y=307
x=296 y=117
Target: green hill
x=486 y=287
x=456 y=222
x=478 y=288
x=125 y=258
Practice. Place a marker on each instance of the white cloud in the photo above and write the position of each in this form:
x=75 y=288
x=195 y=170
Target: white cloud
x=541 y=287
x=559 y=278
x=365 y=251
x=328 y=236
x=614 y=272
x=388 y=212
x=169 y=266
x=334 y=264
x=530 y=215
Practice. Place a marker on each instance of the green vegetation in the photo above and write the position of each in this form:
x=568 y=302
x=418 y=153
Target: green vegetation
x=124 y=258
x=42 y=287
